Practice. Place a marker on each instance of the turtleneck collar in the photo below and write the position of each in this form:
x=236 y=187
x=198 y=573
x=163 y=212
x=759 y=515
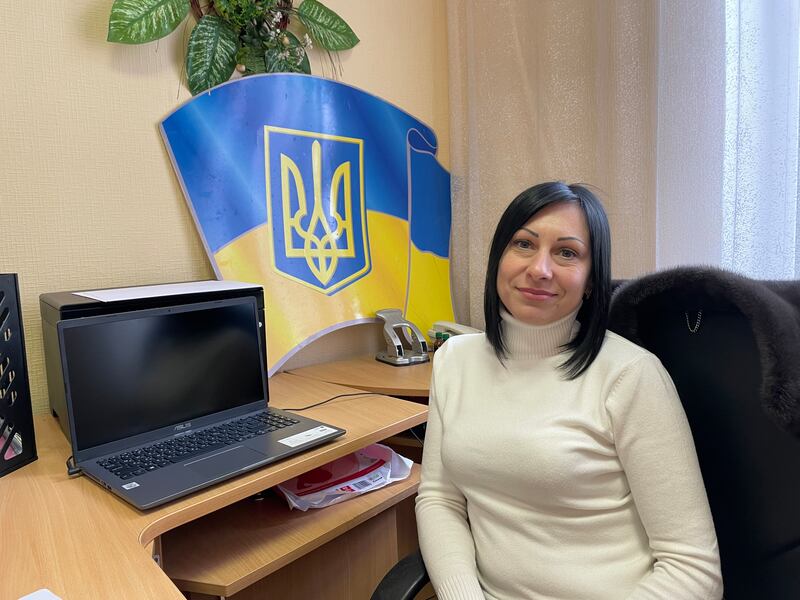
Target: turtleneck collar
x=525 y=341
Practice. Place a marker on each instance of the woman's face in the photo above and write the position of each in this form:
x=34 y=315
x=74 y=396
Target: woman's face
x=544 y=270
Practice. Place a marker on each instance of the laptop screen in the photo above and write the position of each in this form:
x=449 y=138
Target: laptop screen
x=133 y=372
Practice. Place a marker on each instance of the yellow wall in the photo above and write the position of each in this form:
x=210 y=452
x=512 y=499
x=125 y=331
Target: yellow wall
x=88 y=196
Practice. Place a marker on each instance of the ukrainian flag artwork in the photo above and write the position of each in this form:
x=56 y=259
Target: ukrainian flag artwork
x=329 y=197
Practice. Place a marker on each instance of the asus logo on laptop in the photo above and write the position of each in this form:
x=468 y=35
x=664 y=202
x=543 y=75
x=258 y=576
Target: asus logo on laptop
x=183 y=426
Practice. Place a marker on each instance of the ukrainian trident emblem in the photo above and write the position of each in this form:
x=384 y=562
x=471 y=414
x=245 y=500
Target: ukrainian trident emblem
x=317 y=212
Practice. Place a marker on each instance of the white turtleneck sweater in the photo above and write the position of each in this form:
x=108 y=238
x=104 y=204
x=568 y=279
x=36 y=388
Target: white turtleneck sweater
x=537 y=487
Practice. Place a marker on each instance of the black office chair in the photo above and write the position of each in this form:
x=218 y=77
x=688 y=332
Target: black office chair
x=404 y=580
x=732 y=347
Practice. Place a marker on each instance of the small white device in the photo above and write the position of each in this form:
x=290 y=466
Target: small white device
x=451 y=328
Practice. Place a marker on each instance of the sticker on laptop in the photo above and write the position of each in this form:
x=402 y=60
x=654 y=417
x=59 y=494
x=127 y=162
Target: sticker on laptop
x=130 y=486
x=307 y=436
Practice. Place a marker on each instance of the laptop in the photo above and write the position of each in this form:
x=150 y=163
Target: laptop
x=163 y=402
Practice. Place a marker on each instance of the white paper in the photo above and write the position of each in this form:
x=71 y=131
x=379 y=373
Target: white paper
x=167 y=289
x=394 y=467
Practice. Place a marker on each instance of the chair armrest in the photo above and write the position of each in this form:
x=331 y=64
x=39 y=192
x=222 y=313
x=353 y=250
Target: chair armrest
x=404 y=580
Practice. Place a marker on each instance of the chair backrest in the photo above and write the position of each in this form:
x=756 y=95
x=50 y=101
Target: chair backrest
x=750 y=464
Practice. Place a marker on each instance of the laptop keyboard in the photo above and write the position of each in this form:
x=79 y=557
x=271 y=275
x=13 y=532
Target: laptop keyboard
x=136 y=462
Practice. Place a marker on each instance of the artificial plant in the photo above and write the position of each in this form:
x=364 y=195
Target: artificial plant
x=250 y=36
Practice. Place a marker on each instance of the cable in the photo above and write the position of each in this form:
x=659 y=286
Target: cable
x=302 y=408
x=414 y=433
x=72 y=469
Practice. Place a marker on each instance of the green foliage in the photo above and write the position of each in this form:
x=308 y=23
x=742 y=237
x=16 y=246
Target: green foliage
x=271 y=51
x=211 y=56
x=326 y=27
x=141 y=21
x=251 y=59
x=249 y=33
x=238 y=12
x=290 y=57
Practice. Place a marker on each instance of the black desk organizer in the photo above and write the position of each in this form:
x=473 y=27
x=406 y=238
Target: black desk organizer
x=17 y=442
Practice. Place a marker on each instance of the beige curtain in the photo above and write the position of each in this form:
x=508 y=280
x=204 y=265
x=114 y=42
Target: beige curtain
x=543 y=90
x=728 y=120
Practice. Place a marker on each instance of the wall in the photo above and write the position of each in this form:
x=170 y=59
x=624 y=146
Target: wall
x=88 y=196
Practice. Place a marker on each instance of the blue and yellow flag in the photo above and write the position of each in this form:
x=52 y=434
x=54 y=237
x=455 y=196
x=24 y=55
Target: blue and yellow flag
x=330 y=198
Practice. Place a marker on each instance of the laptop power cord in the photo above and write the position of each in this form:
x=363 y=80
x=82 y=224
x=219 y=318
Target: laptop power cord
x=302 y=408
x=72 y=469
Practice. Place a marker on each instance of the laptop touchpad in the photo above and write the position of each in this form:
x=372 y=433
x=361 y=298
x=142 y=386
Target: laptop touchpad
x=227 y=461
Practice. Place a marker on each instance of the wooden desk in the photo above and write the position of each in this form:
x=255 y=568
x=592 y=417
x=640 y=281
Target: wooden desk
x=366 y=373
x=80 y=541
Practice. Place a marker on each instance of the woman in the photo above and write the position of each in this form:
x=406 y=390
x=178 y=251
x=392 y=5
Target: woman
x=558 y=461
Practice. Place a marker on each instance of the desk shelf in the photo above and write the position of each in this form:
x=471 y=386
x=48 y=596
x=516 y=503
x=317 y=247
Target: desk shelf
x=366 y=373
x=59 y=519
x=233 y=548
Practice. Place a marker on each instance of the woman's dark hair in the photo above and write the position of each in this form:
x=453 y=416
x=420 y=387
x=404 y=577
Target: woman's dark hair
x=593 y=314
